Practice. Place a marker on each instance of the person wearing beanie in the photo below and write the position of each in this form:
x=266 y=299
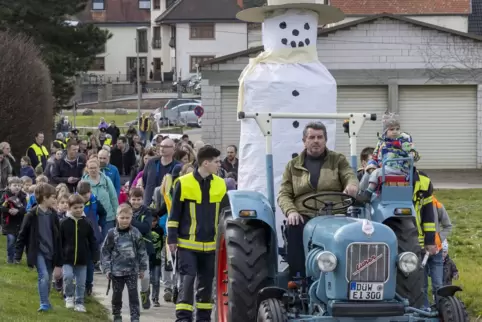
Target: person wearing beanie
x=450 y=269
x=393 y=144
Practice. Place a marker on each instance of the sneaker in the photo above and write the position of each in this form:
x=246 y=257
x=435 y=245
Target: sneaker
x=117 y=318
x=69 y=302
x=16 y=262
x=175 y=293
x=44 y=308
x=167 y=295
x=146 y=302
x=80 y=308
x=9 y=261
x=156 y=303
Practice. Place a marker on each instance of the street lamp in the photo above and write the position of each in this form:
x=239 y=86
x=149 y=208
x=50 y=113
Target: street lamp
x=139 y=88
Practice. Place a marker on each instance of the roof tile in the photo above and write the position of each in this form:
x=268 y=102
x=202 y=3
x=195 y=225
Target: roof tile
x=201 y=10
x=116 y=11
x=402 y=7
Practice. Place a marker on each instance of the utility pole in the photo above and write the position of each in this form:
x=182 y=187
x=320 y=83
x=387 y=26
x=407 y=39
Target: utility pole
x=138 y=84
x=179 y=87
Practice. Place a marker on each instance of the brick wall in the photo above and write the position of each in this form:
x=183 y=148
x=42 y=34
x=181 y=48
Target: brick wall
x=211 y=98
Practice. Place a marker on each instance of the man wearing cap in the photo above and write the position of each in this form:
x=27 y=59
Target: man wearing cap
x=74 y=134
x=37 y=152
x=103 y=139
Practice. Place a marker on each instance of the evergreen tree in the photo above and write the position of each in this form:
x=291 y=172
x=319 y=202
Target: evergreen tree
x=66 y=49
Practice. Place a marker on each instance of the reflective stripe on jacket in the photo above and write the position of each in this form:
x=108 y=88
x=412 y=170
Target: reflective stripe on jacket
x=193 y=221
x=39 y=151
x=423 y=202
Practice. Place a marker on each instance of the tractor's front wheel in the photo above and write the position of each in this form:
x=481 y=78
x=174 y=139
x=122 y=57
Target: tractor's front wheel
x=241 y=269
x=451 y=309
x=411 y=286
x=272 y=310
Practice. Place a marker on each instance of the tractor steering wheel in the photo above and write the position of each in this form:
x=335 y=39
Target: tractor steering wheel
x=330 y=206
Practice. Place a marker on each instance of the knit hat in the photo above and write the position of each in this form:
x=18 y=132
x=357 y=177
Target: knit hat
x=445 y=246
x=389 y=120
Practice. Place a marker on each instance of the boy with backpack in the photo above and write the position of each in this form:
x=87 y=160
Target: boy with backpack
x=79 y=246
x=124 y=259
x=40 y=234
x=142 y=220
x=12 y=209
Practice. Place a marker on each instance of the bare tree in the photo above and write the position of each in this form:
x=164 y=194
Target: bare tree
x=452 y=59
x=26 y=101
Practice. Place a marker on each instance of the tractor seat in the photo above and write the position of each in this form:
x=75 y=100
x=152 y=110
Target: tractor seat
x=394 y=180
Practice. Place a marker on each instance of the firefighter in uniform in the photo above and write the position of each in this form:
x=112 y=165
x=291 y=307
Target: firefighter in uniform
x=425 y=217
x=192 y=229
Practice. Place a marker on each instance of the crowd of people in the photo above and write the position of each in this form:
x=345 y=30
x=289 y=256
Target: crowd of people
x=130 y=208
x=80 y=208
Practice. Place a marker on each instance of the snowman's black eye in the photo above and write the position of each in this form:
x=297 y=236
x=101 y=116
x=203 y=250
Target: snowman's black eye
x=307 y=26
x=284 y=41
x=282 y=25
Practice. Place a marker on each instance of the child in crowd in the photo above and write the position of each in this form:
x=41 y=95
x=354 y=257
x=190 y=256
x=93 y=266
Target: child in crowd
x=142 y=220
x=96 y=214
x=450 y=269
x=40 y=234
x=39 y=171
x=365 y=156
x=392 y=145
x=26 y=169
x=124 y=194
x=62 y=188
x=32 y=201
x=12 y=209
x=155 y=259
x=124 y=259
x=27 y=182
x=62 y=208
x=78 y=248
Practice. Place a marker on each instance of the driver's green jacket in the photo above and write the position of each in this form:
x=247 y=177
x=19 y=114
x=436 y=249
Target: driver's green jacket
x=335 y=175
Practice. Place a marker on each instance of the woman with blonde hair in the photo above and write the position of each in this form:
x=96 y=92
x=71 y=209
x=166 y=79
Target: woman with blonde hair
x=190 y=152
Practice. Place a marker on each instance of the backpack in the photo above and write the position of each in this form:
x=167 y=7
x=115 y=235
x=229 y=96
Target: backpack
x=113 y=238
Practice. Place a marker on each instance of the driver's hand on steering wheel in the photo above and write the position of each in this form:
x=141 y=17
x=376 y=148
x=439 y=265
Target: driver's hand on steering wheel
x=351 y=190
x=295 y=219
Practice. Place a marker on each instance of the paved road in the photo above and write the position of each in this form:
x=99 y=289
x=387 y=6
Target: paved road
x=165 y=313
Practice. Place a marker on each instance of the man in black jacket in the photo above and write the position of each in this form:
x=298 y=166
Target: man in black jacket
x=123 y=157
x=69 y=169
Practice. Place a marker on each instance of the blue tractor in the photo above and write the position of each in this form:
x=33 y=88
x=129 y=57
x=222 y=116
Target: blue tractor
x=365 y=265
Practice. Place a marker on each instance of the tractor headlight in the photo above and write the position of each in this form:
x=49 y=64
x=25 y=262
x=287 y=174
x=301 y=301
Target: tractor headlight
x=326 y=261
x=408 y=262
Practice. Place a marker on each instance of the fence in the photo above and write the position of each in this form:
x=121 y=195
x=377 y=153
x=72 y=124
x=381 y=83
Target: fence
x=89 y=92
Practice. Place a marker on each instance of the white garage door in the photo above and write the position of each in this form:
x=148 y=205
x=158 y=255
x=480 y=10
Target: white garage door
x=443 y=123
x=360 y=99
x=230 y=127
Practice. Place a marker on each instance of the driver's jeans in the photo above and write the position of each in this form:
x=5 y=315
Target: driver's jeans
x=295 y=249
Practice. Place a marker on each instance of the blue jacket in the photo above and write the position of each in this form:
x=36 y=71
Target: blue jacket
x=152 y=177
x=112 y=172
x=28 y=171
x=95 y=212
x=31 y=202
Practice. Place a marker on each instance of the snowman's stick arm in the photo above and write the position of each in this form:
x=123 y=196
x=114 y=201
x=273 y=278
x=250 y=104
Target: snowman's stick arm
x=264 y=120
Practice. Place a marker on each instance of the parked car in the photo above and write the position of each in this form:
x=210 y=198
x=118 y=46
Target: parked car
x=173 y=116
x=175 y=102
x=190 y=119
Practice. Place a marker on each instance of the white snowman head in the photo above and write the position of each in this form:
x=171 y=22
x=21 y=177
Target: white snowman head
x=292 y=28
x=291 y=23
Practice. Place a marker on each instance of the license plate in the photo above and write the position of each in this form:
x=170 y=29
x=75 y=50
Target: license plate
x=360 y=291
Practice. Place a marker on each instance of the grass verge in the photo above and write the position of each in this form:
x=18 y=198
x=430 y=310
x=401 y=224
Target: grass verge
x=93 y=120
x=465 y=243
x=19 y=299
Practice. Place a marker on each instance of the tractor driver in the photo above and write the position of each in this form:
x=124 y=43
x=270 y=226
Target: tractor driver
x=315 y=170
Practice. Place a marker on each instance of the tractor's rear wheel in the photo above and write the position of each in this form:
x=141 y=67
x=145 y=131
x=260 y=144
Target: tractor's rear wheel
x=411 y=286
x=272 y=310
x=241 y=269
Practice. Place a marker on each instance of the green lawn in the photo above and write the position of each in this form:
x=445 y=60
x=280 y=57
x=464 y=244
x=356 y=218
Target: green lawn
x=93 y=120
x=19 y=299
x=465 y=209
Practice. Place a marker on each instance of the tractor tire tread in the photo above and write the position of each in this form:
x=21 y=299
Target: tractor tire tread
x=272 y=310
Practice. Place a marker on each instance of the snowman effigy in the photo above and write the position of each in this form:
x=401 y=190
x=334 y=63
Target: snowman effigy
x=286 y=77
